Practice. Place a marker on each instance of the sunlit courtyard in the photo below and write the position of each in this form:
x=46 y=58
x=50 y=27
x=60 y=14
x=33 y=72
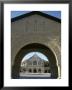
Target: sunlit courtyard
x=35 y=64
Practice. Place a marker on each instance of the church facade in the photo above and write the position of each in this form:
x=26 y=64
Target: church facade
x=35 y=65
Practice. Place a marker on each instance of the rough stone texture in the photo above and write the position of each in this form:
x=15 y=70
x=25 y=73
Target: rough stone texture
x=36 y=29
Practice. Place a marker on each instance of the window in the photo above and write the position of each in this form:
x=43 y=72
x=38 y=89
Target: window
x=34 y=62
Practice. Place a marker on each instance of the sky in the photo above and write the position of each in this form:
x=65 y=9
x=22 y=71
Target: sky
x=42 y=56
x=56 y=14
x=52 y=13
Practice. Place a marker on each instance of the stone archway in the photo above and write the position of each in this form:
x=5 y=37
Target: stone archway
x=39 y=70
x=34 y=71
x=35 y=47
x=30 y=71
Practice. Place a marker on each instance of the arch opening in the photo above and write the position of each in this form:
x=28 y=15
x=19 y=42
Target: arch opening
x=34 y=47
x=34 y=60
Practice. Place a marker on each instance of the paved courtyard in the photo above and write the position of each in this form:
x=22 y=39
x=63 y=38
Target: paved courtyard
x=35 y=75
